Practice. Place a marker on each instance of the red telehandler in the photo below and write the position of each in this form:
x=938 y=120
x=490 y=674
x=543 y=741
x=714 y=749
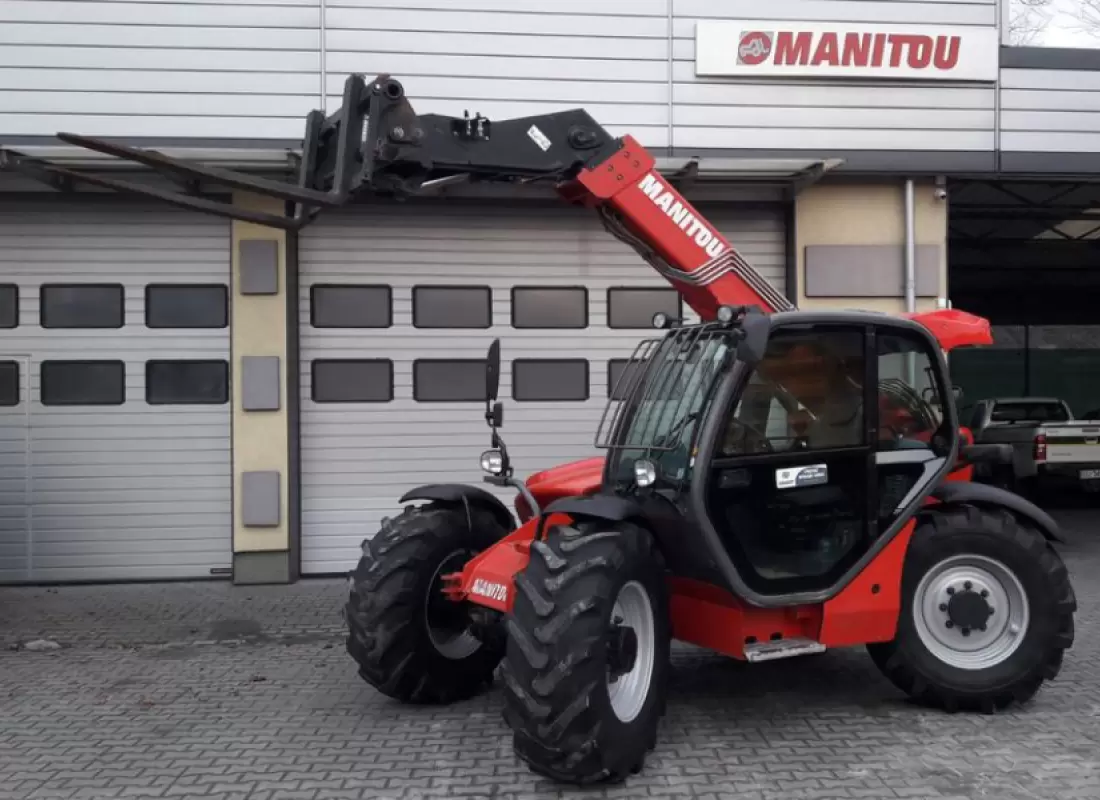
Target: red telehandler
x=777 y=482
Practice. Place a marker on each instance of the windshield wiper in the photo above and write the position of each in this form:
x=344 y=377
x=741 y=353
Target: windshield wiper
x=677 y=429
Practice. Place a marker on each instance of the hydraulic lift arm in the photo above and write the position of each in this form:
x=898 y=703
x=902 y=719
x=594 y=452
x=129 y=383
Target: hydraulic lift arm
x=377 y=144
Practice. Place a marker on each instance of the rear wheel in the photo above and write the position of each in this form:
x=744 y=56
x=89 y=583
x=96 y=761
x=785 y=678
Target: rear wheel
x=986 y=616
x=586 y=669
x=411 y=642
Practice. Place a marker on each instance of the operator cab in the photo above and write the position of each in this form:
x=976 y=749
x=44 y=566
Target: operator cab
x=790 y=444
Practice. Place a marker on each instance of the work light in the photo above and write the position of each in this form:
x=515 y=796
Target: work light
x=492 y=462
x=645 y=472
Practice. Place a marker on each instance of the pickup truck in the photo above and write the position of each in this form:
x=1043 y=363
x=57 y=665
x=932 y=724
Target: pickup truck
x=1050 y=448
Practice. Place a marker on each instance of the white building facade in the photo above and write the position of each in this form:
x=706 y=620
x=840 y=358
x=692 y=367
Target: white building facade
x=182 y=396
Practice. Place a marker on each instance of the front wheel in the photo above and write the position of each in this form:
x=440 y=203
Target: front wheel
x=586 y=668
x=986 y=615
x=411 y=642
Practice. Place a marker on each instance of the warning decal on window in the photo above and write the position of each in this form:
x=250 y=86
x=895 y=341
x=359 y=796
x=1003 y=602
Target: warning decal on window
x=792 y=477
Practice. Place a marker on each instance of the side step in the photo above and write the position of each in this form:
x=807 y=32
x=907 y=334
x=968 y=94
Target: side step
x=782 y=648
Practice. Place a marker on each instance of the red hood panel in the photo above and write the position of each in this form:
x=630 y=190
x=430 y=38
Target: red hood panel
x=587 y=471
x=565 y=480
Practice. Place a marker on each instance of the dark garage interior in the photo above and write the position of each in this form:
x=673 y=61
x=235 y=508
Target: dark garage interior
x=1025 y=254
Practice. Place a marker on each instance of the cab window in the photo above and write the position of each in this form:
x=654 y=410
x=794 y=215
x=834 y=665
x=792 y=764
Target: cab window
x=806 y=394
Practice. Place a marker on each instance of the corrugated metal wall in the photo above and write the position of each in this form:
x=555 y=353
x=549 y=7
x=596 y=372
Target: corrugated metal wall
x=359 y=458
x=111 y=491
x=1050 y=111
x=250 y=69
x=513 y=57
x=245 y=69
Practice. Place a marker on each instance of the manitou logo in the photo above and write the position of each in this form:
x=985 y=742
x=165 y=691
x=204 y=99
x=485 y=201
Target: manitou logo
x=755 y=47
x=670 y=202
x=494 y=591
x=834 y=49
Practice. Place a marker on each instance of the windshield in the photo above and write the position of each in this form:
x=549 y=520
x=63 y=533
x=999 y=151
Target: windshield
x=658 y=417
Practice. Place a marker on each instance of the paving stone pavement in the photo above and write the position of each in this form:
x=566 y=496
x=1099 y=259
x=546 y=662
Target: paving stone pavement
x=205 y=690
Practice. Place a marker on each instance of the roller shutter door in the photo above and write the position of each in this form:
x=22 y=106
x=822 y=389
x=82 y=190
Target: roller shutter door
x=114 y=425
x=398 y=306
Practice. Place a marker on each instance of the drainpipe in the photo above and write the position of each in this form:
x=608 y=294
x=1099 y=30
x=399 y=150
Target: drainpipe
x=910 y=270
x=322 y=27
x=910 y=249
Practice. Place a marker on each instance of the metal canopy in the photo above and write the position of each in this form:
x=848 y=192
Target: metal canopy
x=244 y=158
x=793 y=174
x=989 y=210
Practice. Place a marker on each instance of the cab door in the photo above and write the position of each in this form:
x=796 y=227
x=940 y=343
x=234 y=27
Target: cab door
x=792 y=483
x=835 y=433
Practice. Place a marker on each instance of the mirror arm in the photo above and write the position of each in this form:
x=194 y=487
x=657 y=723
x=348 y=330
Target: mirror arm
x=506 y=461
x=521 y=487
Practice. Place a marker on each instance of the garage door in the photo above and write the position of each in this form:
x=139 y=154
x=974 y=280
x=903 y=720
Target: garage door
x=398 y=306
x=114 y=412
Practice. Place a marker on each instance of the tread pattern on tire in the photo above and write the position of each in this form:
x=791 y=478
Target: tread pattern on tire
x=553 y=665
x=891 y=659
x=384 y=611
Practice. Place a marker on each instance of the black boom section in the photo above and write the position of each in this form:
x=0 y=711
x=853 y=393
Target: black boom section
x=375 y=142
x=460 y=493
x=980 y=494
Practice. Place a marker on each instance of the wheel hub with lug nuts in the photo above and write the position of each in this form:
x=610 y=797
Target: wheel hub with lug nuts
x=970 y=611
x=630 y=651
x=622 y=649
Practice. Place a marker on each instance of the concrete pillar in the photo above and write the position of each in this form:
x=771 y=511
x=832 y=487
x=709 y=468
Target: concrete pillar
x=850 y=246
x=264 y=407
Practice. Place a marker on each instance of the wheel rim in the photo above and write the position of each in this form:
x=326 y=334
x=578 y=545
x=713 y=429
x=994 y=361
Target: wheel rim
x=959 y=592
x=628 y=692
x=445 y=620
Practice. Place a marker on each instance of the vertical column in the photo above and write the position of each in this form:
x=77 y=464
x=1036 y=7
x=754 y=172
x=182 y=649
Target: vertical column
x=264 y=533
x=850 y=246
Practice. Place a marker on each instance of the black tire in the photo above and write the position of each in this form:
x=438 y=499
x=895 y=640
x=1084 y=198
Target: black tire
x=387 y=609
x=997 y=534
x=554 y=673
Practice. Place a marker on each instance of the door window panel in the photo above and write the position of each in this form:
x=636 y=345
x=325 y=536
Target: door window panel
x=912 y=437
x=911 y=410
x=806 y=394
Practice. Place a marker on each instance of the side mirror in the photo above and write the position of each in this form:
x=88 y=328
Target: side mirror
x=492 y=371
x=754 y=340
x=496 y=417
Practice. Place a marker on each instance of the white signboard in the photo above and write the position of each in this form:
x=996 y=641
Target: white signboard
x=780 y=49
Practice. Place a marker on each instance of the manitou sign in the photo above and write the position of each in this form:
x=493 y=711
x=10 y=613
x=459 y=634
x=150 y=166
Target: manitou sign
x=764 y=48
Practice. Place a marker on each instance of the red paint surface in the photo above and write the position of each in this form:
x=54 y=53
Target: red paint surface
x=867 y=609
x=708 y=616
x=498 y=566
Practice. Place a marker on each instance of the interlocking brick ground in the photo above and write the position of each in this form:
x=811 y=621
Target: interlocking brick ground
x=210 y=691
